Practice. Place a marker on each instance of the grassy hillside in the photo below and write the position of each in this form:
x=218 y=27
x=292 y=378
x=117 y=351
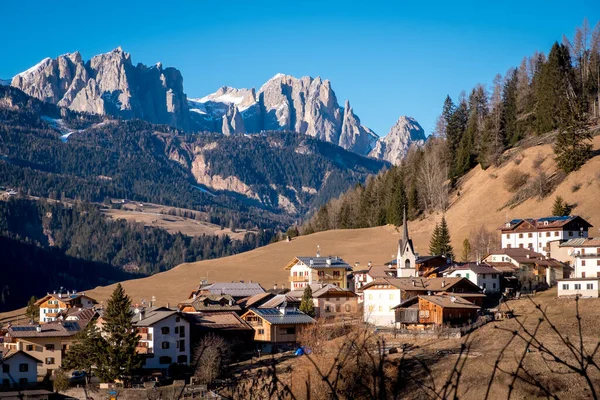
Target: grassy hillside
x=480 y=203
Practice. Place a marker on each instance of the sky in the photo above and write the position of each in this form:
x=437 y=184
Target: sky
x=387 y=58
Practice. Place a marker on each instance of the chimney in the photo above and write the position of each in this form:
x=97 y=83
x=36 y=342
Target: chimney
x=167 y=304
x=329 y=261
x=311 y=261
x=282 y=286
x=414 y=283
x=38 y=329
x=369 y=264
x=318 y=251
x=443 y=284
x=194 y=296
x=453 y=299
x=274 y=286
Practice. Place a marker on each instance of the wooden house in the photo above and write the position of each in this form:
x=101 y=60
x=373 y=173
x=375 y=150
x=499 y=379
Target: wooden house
x=427 y=311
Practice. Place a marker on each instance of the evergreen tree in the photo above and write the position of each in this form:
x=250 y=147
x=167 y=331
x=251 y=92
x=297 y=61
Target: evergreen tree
x=86 y=352
x=306 y=304
x=118 y=357
x=33 y=310
x=466 y=251
x=560 y=208
x=508 y=118
x=434 y=242
x=573 y=147
x=439 y=245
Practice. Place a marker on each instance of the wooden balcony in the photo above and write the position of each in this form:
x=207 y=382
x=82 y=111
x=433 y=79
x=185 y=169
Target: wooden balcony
x=145 y=336
x=328 y=278
x=298 y=279
x=407 y=315
x=144 y=350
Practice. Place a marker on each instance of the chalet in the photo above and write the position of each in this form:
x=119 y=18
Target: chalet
x=276 y=328
x=164 y=337
x=54 y=303
x=482 y=275
x=583 y=254
x=425 y=312
x=583 y=287
x=228 y=325
x=330 y=301
x=536 y=233
x=237 y=290
x=309 y=270
x=381 y=295
x=47 y=342
x=281 y=300
x=531 y=269
x=209 y=303
x=18 y=369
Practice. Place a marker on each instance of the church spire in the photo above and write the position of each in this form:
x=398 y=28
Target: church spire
x=405 y=228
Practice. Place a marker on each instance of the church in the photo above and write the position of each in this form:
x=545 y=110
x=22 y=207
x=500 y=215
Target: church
x=406 y=259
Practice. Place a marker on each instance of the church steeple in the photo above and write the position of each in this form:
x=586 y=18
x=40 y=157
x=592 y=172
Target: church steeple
x=404 y=227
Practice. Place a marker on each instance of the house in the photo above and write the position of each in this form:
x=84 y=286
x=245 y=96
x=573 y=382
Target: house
x=425 y=312
x=381 y=295
x=209 y=303
x=255 y=300
x=164 y=337
x=309 y=270
x=237 y=290
x=281 y=300
x=276 y=328
x=532 y=269
x=228 y=325
x=584 y=287
x=54 y=303
x=46 y=342
x=583 y=254
x=334 y=302
x=482 y=275
x=536 y=233
x=18 y=369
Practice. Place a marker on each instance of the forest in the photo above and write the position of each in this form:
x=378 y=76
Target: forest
x=552 y=97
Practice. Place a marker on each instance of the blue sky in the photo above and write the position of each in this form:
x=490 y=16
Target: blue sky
x=388 y=58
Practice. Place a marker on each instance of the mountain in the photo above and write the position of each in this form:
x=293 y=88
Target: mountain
x=108 y=84
x=405 y=133
x=4 y=82
x=266 y=180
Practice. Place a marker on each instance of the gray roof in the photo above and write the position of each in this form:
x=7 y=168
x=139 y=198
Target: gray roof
x=325 y=262
x=152 y=316
x=276 y=317
x=235 y=289
x=581 y=242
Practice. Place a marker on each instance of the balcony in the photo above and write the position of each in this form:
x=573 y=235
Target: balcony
x=145 y=336
x=328 y=278
x=407 y=315
x=144 y=350
x=586 y=255
x=298 y=279
x=52 y=314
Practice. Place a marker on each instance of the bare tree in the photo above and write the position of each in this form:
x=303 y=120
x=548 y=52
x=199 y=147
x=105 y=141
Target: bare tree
x=211 y=357
x=432 y=177
x=483 y=242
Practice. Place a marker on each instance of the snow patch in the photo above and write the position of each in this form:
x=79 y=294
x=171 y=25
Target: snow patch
x=30 y=71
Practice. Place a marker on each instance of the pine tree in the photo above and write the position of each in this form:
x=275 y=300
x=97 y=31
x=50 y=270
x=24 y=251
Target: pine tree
x=508 y=118
x=434 y=242
x=86 y=352
x=33 y=310
x=573 y=147
x=118 y=357
x=444 y=240
x=466 y=251
x=560 y=208
x=306 y=304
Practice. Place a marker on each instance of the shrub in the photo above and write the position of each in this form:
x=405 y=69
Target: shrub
x=515 y=179
x=575 y=187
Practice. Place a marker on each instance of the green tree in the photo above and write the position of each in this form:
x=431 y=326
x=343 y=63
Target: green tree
x=573 y=147
x=439 y=245
x=306 y=304
x=466 y=251
x=434 y=242
x=118 y=356
x=508 y=116
x=86 y=352
x=560 y=208
x=60 y=381
x=33 y=310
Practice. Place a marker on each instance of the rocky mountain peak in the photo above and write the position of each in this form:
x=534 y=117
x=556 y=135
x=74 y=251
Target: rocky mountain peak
x=404 y=134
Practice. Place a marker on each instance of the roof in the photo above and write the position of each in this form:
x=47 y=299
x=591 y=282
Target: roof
x=526 y=256
x=276 y=316
x=422 y=284
x=151 y=316
x=581 y=242
x=381 y=271
x=212 y=302
x=79 y=313
x=534 y=224
x=279 y=299
x=64 y=297
x=592 y=278
x=235 y=289
x=298 y=293
x=333 y=289
x=444 y=301
x=49 y=329
x=223 y=321
x=11 y=353
x=256 y=299
x=503 y=266
x=320 y=262
x=475 y=267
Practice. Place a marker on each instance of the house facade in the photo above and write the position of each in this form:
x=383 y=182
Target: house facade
x=276 y=327
x=531 y=269
x=584 y=287
x=536 y=233
x=334 y=302
x=584 y=256
x=428 y=311
x=17 y=369
x=53 y=304
x=164 y=337
x=482 y=275
x=311 y=270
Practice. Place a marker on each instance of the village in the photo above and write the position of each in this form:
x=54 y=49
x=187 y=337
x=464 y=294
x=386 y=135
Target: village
x=413 y=294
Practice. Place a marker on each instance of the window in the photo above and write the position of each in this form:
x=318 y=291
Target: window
x=164 y=330
x=336 y=274
x=177 y=319
x=570 y=233
x=6 y=382
x=582 y=251
x=348 y=308
x=583 y=274
x=49 y=360
x=598 y=274
x=598 y=263
x=380 y=308
x=530 y=234
x=494 y=276
x=176 y=330
x=49 y=347
x=23 y=367
x=483 y=276
x=338 y=308
x=565 y=286
x=5 y=368
x=589 y=286
x=578 y=286
x=530 y=246
x=29 y=347
x=494 y=285
x=165 y=345
x=182 y=331
x=520 y=245
x=370 y=296
x=165 y=360
x=182 y=359
x=547 y=234
x=327 y=308
x=182 y=345
x=391 y=296
x=583 y=263
x=508 y=236
x=467 y=275
x=261 y=331
x=520 y=236
x=458 y=275
x=289 y=331
x=484 y=285
x=509 y=246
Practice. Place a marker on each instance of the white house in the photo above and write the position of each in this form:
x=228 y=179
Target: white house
x=379 y=297
x=584 y=255
x=483 y=275
x=531 y=269
x=59 y=301
x=584 y=287
x=164 y=337
x=536 y=233
x=18 y=369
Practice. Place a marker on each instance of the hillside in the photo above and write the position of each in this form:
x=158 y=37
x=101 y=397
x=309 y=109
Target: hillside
x=482 y=196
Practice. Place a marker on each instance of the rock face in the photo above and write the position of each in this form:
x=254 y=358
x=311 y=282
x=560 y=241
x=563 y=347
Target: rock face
x=109 y=84
x=405 y=133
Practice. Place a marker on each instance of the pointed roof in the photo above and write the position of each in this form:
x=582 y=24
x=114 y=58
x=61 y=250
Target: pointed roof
x=402 y=243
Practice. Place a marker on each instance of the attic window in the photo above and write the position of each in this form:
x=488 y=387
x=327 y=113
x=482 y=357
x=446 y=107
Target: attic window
x=545 y=222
